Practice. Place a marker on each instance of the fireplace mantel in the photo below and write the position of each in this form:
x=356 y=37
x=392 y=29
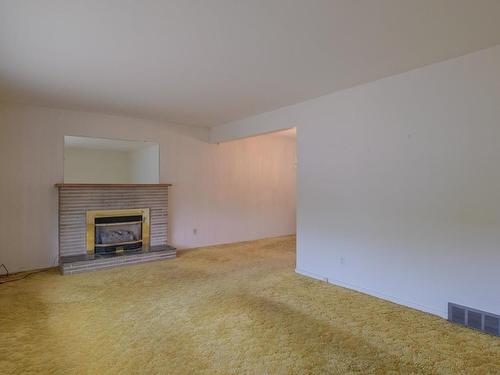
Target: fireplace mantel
x=111 y=186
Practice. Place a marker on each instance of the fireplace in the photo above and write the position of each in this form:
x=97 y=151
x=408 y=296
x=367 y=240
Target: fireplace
x=116 y=231
x=107 y=225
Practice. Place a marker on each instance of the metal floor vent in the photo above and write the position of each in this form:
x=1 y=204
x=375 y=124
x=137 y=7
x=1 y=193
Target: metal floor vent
x=480 y=320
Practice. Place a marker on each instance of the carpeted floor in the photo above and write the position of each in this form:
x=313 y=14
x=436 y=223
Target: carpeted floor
x=232 y=309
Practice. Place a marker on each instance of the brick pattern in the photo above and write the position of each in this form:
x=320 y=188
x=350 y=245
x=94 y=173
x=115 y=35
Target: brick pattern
x=75 y=201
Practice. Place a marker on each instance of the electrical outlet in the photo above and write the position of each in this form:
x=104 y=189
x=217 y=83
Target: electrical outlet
x=195 y=231
x=342 y=260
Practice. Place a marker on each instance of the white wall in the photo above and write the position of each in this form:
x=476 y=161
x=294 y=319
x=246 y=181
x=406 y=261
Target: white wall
x=233 y=192
x=399 y=184
x=82 y=165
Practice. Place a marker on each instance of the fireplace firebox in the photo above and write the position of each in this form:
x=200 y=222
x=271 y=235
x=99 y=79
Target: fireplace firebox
x=115 y=231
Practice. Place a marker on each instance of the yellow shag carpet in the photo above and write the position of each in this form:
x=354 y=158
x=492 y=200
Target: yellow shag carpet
x=232 y=309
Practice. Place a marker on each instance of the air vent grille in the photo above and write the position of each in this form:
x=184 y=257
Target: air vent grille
x=457 y=315
x=473 y=318
x=492 y=325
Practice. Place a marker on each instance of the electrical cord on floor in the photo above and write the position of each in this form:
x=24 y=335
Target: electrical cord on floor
x=21 y=277
x=6 y=270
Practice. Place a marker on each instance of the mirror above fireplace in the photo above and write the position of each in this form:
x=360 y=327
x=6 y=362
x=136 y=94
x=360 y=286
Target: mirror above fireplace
x=110 y=161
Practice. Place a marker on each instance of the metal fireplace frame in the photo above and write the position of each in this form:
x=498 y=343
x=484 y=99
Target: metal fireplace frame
x=91 y=215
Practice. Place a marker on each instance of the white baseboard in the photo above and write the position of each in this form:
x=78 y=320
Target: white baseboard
x=374 y=293
x=310 y=274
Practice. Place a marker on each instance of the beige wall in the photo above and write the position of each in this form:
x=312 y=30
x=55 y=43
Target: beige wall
x=144 y=165
x=229 y=192
x=101 y=166
x=83 y=165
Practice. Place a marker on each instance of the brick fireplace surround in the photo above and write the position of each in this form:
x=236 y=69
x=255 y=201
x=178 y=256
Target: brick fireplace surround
x=75 y=200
